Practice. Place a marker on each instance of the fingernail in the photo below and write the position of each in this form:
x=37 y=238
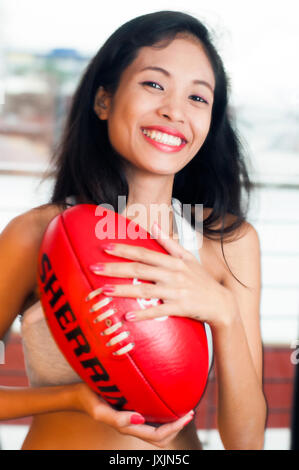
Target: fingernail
x=108 y=289
x=108 y=246
x=188 y=421
x=190 y=416
x=130 y=316
x=137 y=419
x=97 y=267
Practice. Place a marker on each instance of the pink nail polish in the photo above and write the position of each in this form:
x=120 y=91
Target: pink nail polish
x=108 y=289
x=137 y=419
x=97 y=267
x=130 y=316
x=108 y=246
x=187 y=422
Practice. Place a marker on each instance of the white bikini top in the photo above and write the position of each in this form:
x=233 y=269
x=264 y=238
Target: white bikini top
x=44 y=362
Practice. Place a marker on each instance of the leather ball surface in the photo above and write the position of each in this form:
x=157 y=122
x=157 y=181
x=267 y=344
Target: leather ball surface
x=157 y=367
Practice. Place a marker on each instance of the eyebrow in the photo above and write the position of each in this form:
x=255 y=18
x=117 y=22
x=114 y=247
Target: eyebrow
x=167 y=74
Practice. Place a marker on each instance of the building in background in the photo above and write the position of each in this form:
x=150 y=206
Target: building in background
x=37 y=92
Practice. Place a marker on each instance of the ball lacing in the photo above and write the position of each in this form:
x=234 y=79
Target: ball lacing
x=112 y=329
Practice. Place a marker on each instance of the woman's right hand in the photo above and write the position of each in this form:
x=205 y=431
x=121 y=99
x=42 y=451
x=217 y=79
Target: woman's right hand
x=125 y=421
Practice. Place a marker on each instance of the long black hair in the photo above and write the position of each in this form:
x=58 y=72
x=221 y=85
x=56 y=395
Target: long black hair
x=87 y=166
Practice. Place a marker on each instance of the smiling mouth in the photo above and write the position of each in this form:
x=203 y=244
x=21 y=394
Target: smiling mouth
x=163 y=138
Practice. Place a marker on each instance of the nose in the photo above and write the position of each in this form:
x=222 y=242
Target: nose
x=172 y=109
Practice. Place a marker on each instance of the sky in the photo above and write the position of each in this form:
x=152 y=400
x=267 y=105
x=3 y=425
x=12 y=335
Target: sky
x=257 y=39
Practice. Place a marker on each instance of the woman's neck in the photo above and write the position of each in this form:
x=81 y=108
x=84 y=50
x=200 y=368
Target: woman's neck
x=149 y=201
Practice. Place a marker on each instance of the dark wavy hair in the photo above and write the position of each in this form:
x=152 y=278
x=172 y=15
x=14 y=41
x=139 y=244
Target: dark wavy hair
x=87 y=166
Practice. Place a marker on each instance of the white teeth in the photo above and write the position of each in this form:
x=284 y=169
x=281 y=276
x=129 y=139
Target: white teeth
x=163 y=138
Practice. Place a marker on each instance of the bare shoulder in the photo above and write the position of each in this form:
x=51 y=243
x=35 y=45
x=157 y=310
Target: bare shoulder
x=238 y=256
x=244 y=234
x=29 y=226
x=41 y=216
x=243 y=255
x=19 y=248
x=26 y=231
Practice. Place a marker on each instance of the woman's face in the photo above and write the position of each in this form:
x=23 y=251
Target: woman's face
x=160 y=114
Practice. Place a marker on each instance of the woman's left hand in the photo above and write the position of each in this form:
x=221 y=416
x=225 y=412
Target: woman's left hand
x=180 y=281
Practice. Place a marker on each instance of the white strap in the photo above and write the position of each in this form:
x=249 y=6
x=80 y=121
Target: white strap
x=188 y=239
x=187 y=234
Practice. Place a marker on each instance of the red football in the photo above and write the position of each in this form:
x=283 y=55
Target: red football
x=157 y=367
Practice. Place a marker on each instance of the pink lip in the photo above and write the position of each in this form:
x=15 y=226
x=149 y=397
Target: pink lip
x=167 y=130
x=164 y=147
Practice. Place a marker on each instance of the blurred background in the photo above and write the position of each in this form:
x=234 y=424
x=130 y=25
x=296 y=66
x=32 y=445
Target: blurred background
x=44 y=48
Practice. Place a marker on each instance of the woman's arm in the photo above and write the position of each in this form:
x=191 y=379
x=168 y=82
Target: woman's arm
x=232 y=311
x=21 y=402
x=238 y=349
x=19 y=247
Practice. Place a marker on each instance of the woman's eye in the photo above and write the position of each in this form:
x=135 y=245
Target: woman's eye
x=196 y=98
x=199 y=99
x=153 y=85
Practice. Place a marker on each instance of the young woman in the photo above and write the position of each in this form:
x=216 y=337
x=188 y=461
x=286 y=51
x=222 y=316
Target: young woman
x=157 y=76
